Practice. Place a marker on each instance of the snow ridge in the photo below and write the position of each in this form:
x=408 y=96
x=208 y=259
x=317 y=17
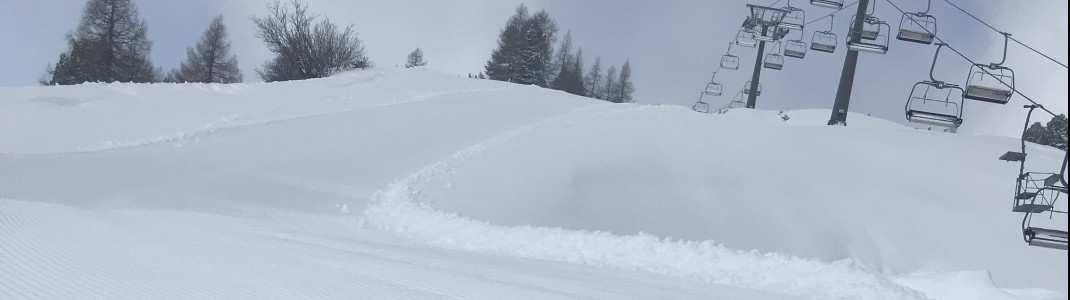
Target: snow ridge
x=400 y=208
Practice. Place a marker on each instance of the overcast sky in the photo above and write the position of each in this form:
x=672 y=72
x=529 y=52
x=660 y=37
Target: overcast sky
x=673 y=45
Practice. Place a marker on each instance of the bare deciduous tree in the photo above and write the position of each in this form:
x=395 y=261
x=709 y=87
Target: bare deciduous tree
x=305 y=48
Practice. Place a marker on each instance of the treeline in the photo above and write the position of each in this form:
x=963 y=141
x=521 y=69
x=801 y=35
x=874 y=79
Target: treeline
x=111 y=44
x=1053 y=134
x=526 y=54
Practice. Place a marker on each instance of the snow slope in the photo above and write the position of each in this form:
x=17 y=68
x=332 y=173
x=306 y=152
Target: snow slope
x=392 y=184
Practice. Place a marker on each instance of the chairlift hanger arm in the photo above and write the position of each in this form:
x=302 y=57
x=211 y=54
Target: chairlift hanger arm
x=1062 y=172
x=1011 y=38
x=933 y=67
x=1016 y=91
x=1006 y=38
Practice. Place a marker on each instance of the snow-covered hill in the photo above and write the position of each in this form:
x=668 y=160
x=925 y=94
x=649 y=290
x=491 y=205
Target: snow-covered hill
x=394 y=184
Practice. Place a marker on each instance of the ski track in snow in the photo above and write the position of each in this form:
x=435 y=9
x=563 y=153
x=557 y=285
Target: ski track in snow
x=231 y=123
x=401 y=209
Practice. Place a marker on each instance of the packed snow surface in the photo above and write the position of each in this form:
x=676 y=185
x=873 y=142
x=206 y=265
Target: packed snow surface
x=409 y=184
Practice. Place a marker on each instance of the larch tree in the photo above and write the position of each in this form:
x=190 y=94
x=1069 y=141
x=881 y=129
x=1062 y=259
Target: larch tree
x=110 y=45
x=415 y=59
x=593 y=80
x=525 y=49
x=625 y=85
x=210 y=61
x=612 y=93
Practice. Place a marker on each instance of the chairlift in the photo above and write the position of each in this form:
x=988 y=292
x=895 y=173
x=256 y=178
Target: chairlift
x=795 y=19
x=774 y=60
x=880 y=37
x=713 y=88
x=871 y=26
x=993 y=82
x=825 y=41
x=769 y=36
x=1037 y=193
x=729 y=61
x=745 y=38
x=746 y=89
x=925 y=99
x=833 y=4
x=701 y=106
x=919 y=27
x=764 y=23
x=934 y=102
x=795 y=48
x=870 y=29
x=737 y=102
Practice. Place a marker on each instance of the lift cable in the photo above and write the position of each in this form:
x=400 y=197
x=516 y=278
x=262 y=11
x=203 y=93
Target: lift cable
x=832 y=13
x=1016 y=91
x=1001 y=32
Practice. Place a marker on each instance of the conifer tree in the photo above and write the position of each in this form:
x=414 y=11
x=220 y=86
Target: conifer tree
x=593 y=80
x=416 y=59
x=110 y=45
x=612 y=93
x=625 y=85
x=525 y=48
x=210 y=61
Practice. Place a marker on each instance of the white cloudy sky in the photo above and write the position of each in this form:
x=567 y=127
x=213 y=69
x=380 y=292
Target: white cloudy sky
x=673 y=45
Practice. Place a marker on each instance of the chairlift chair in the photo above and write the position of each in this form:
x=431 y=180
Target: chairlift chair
x=745 y=38
x=737 y=101
x=925 y=98
x=919 y=27
x=713 y=88
x=985 y=83
x=701 y=107
x=825 y=41
x=870 y=27
x=746 y=89
x=774 y=60
x=729 y=61
x=795 y=19
x=833 y=4
x=880 y=40
x=1046 y=238
x=764 y=22
x=795 y=48
x=934 y=102
x=1036 y=193
x=993 y=82
x=769 y=36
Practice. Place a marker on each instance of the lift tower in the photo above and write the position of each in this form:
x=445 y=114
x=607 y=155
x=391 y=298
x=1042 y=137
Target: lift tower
x=847 y=77
x=765 y=23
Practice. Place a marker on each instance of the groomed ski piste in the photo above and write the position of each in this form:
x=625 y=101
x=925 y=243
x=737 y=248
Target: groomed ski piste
x=412 y=184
